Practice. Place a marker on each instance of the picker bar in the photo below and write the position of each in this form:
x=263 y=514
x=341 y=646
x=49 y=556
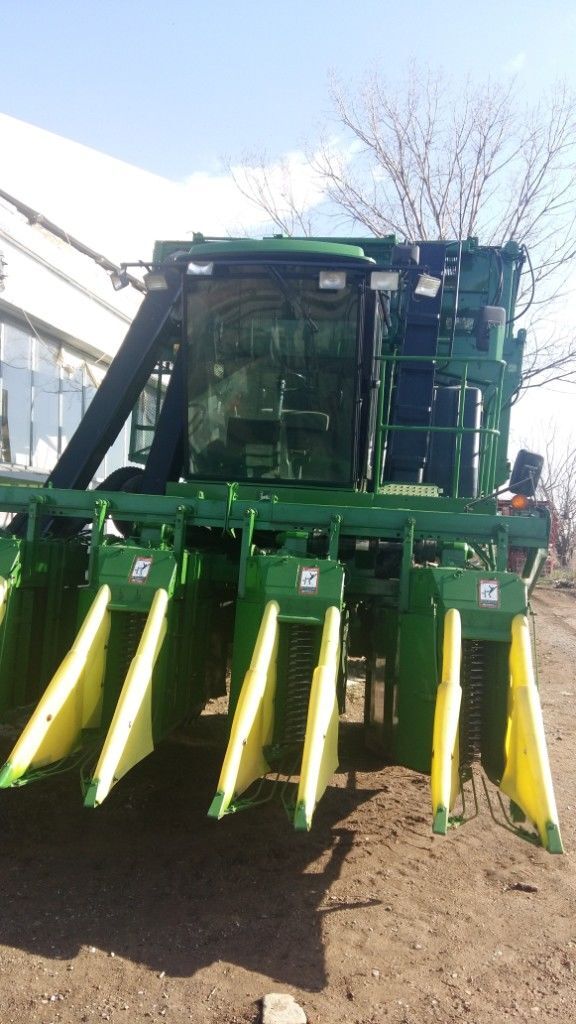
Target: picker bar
x=445 y=781
x=320 y=757
x=129 y=737
x=72 y=701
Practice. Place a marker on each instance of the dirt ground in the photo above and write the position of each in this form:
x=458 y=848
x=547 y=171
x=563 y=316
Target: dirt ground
x=144 y=909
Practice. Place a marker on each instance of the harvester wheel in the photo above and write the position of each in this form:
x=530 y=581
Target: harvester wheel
x=121 y=480
x=127 y=478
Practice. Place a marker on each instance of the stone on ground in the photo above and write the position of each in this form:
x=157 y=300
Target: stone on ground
x=281 y=1008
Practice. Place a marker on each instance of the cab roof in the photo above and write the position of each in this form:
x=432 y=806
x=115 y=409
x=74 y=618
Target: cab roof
x=278 y=248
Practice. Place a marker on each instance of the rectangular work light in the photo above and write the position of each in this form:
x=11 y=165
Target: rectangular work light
x=200 y=269
x=384 y=280
x=120 y=279
x=332 y=280
x=428 y=286
x=155 y=281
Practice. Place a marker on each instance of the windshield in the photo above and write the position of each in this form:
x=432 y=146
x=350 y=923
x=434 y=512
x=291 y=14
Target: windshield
x=271 y=378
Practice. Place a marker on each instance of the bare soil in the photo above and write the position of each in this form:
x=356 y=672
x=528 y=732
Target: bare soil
x=144 y=909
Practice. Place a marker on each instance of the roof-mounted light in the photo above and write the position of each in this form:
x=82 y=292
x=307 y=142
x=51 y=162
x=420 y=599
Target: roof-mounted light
x=428 y=286
x=385 y=280
x=200 y=269
x=155 y=281
x=332 y=280
x=120 y=279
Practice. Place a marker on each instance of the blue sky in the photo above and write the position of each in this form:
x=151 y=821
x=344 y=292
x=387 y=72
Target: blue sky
x=175 y=86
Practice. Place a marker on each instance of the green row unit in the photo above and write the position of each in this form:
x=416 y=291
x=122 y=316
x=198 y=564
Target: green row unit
x=304 y=588
x=46 y=607
x=405 y=664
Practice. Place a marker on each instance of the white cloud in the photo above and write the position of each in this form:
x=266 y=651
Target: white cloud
x=119 y=209
x=290 y=181
x=515 y=64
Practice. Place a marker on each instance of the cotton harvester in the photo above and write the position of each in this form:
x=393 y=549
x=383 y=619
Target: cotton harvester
x=319 y=433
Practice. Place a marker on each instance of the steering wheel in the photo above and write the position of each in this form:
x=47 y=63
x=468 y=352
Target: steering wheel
x=299 y=380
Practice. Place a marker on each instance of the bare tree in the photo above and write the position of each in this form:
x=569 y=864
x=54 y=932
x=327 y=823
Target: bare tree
x=428 y=158
x=271 y=187
x=433 y=160
x=550 y=358
x=558 y=488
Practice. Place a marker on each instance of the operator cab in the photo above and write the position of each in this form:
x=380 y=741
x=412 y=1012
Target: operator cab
x=314 y=363
x=272 y=357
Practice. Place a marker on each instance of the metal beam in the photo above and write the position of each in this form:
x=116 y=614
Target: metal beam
x=356 y=521
x=118 y=392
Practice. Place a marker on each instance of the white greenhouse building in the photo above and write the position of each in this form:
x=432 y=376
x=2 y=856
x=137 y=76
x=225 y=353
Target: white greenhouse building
x=61 y=321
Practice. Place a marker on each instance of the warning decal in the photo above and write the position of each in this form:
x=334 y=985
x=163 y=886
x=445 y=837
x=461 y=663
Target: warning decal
x=140 y=569
x=489 y=593
x=308 y=579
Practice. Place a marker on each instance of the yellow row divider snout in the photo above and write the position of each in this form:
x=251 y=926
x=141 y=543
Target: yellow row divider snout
x=4 y=591
x=320 y=755
x=71 y=702
x=130 y=736
x=445 y=771
x=253 y=721
x=527 y=779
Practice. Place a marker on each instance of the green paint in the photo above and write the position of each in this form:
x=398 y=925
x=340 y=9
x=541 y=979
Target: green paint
x=554 y=844
x=215 y=809
x=440 y=822
x=90 y=795
x=301 y=822
x=6 y=776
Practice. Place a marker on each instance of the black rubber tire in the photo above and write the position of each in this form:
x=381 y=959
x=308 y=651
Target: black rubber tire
x=120 y=479
x=127 y=479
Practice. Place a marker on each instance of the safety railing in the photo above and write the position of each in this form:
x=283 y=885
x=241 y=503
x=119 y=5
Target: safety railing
x=488 y=433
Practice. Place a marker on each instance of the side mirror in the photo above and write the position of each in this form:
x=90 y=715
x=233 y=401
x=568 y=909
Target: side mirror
x=405 y=255
x=488 y=317
x=526 y=473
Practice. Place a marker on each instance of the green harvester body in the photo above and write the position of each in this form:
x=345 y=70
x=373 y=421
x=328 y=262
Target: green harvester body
x=319 y=433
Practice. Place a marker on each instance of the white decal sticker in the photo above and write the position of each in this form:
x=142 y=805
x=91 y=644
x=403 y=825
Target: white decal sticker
x=308 y=582
x=140 y=568
x=489 y=593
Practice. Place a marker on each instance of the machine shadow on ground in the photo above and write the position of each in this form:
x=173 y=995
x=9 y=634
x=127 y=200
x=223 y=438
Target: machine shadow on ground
x=150 y=878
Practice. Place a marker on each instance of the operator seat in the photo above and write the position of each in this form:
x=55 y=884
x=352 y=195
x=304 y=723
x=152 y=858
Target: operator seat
x=260 y=445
